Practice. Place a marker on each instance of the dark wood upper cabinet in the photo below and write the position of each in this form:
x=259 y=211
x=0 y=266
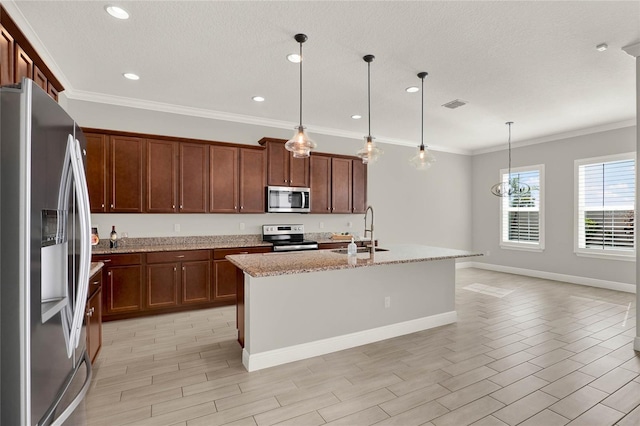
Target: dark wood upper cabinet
x=194 y=178
x=126 y=174
x=252 y=180
x=39 y=78
x=6 y=57
x=283 y=169
x=224 y=183
x=320 y=183
x=162 y=174
x=52 y=91
x=341 y=185
x=97 y=161
x=23 y=65
x=359 y=197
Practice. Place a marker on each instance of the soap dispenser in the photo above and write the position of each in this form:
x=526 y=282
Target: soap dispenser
x=352 y=251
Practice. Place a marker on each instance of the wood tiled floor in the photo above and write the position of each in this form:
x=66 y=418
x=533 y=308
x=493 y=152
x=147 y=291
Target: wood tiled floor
x=548 y=353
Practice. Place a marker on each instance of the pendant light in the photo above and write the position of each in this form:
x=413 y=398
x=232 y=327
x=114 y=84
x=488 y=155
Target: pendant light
x=423 y=159
x=300 y=144
x=512 y=186
x=370 y=152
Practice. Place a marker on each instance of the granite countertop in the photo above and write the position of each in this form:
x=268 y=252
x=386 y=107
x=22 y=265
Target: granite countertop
x=95 y=267
x=144 y=245
x=272 y=264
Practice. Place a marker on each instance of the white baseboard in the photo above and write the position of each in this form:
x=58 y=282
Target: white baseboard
x=258 y=361
x=573 y=279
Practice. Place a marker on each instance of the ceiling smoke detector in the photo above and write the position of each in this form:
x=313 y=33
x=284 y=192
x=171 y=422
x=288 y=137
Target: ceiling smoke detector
x=455 y=104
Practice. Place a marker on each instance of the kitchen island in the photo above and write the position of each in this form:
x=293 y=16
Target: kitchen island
x=298 y=305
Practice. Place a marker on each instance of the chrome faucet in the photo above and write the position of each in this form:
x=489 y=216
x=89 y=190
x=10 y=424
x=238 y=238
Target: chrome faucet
x=370 y=230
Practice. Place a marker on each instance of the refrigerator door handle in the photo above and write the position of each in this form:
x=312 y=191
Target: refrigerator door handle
x=82 y=283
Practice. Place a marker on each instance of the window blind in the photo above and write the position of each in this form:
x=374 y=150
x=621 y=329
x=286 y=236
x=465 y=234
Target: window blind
x=606 y=206
x=521 y=221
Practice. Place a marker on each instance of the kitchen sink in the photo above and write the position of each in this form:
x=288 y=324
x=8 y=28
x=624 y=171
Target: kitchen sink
x=360 y=250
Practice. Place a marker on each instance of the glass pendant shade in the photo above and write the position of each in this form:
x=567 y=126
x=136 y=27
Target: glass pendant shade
x=370 y=152
x=423 y=159
x=300 y=144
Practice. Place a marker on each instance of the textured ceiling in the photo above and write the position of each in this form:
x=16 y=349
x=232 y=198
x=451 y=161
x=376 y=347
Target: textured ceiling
x=531 y=62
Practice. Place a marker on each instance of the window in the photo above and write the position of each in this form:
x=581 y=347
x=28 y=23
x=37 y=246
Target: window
x=522 y=216
x=605 y=206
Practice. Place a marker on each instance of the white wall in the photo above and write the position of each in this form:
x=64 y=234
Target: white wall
x=558 y=158
x=429 y=207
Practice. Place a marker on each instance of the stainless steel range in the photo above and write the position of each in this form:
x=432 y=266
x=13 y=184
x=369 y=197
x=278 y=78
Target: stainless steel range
x=287 y=238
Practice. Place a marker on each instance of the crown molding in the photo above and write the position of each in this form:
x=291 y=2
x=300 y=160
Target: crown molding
x=633 y=49
x=102 y=98
x=559 y=136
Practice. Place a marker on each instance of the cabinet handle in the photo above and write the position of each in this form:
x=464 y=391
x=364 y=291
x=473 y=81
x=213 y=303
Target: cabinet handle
x=180 y=257
x=111 y=205
x=106 y=261
x=184 y=269
x=95 y=282
x=174 y=269
x=173 y=206
x=109 y=273
x=180 y=206
x=285 y=181
x=102 y=206
x=241 y=207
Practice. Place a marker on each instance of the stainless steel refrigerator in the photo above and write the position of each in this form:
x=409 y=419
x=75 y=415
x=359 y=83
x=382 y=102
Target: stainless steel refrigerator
x=45 y=257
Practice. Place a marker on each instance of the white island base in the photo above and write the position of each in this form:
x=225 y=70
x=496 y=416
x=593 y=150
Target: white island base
x=302 y=315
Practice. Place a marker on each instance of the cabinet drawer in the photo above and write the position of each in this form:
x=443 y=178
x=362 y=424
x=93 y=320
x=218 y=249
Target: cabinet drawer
x=219 y=254
x=177 y=256
x=95 y=283
x=118 y=259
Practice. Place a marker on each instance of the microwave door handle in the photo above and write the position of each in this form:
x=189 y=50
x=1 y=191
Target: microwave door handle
x=307 y=196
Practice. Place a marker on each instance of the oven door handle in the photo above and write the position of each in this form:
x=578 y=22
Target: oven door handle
x=296 y=247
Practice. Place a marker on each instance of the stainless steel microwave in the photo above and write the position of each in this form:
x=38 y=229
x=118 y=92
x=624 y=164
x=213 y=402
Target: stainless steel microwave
x=284 y=199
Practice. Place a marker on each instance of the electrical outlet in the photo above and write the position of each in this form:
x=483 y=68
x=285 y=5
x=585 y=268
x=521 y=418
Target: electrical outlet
x=387 y=301
x=321 y=225
x=176 y=227
x=349 y=224
x=242 y=226
x=487 y=253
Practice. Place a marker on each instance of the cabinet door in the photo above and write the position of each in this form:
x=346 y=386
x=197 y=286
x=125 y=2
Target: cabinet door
x=162 y=285
x=39 y=78
x=94 y=324
x=299 y=171
x=320 y=183
x=124 y=289
x=194 y=178
x=252 y=180
x=359 y=187
x=278 y=164
x=341 y=185
x=224 y=280
x=97 y=155
x=6 y=57
x=224 y=185
x=196 y=277
x=52 y=91
x=161 y=179
x=126 y=172
x=23 y=65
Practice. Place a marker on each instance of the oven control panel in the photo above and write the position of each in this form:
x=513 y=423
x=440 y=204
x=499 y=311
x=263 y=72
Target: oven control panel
x=282 y=229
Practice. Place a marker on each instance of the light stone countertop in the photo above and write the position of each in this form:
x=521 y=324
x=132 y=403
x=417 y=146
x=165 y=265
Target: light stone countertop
x=273 y=264
x=95 y=267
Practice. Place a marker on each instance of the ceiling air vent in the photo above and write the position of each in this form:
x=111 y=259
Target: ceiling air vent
x=455 y=104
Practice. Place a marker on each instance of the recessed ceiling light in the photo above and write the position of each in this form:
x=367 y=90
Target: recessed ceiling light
x=412 y=89
x=117 y=12
x=131 y=76
x=294 y=57
x=258 y=98
x=356 y=116
x=602 y=47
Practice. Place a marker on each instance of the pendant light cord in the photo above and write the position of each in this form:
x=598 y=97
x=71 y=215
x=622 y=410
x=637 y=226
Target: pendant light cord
x=422 y=118
x=369 y=94
x=300 y=84
x=509 y=123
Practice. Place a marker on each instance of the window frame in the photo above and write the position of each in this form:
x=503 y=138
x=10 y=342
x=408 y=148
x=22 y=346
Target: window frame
x=523 y=245
x=611 y=254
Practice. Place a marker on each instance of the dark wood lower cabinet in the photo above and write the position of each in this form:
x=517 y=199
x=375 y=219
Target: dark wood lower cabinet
x=153 y=283
x=93 y=320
